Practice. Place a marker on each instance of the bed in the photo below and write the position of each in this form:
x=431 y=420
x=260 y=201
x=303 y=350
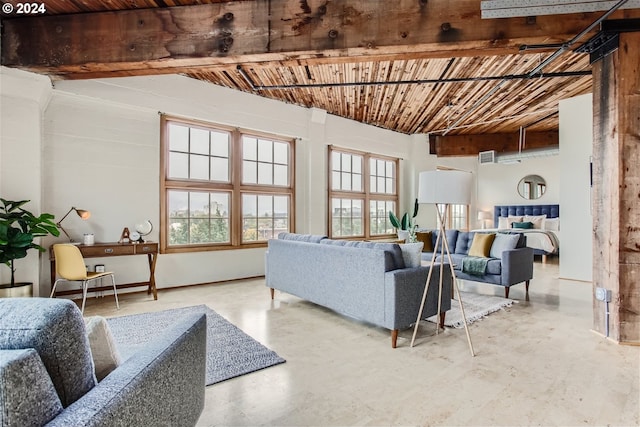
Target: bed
x=544 y=237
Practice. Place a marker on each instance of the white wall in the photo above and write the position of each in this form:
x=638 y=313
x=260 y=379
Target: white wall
x=101 y=140
x=497 y=183
x=101 y=145
x=23 y=96
x=576 y=141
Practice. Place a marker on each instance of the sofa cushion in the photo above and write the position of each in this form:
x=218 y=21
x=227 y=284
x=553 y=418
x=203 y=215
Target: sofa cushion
x=55 y=329
x=481 y=245
x=105 y=355
x=503 y=242
x=27 y=395
x=494 y=266
x=464 y=241
x=455 y=258
x=425 y=238
x=411 y=254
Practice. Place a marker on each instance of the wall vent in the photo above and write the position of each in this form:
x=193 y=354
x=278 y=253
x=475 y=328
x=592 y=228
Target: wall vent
x=485 y=157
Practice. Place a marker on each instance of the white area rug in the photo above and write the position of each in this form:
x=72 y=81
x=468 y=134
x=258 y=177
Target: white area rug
x=476 y=306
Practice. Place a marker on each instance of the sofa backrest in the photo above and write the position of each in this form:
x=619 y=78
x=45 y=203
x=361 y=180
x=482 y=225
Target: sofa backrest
x=55 y=329
x=464 y=241
x=393 y=254
x=452 y=239
x=310 y=238
x=349 y=280
x=393 y=259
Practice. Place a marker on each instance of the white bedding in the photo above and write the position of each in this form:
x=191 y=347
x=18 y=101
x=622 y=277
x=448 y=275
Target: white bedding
x=537 y=239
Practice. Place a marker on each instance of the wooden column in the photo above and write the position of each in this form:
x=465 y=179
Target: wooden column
x=616 y=189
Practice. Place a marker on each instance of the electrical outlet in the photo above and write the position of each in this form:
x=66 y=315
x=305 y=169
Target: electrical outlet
x=603 y=294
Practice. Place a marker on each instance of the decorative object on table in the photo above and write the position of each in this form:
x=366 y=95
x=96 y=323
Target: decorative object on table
x=143 y=229
x=70 y=267
x=405 y=227
x=88 y=239
x=18 y=229
x=125 y=237
x=477 y=306
x=230 y=351
x=83 y=214
x=443 y=188
x=483 y=217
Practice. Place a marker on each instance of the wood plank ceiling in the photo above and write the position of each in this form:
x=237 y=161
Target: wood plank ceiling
x=420 y=107
x=413 y=92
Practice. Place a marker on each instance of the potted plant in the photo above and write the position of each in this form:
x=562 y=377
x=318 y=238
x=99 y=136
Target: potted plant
x=405 y=227
x=18 y=229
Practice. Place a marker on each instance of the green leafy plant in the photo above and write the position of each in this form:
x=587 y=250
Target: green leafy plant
x=406 y=222
x=18 y=229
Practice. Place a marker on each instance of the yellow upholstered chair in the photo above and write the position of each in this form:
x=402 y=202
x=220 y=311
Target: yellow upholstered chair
x=70 y=267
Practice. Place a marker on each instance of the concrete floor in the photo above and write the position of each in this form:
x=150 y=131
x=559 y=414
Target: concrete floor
x=536 y=363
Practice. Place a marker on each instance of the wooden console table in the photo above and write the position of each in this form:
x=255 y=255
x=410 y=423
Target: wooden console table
x=100 y=250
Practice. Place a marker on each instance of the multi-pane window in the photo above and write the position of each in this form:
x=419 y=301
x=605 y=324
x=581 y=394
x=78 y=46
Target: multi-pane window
x=363 y=189
x=223 y=188
x=264 y=216
x=197 y=217
x=457 y=216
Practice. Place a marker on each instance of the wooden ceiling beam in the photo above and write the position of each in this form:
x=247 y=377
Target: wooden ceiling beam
x=502 y=143
x=177 y=39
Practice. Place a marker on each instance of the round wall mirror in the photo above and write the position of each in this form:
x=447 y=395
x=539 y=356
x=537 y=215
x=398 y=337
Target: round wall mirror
x=532 y=187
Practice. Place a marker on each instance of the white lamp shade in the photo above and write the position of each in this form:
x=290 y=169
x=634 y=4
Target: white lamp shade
x=445 y=186
x=484 y=215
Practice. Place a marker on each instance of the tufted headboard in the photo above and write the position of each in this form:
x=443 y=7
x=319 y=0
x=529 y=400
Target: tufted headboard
x=551 y=211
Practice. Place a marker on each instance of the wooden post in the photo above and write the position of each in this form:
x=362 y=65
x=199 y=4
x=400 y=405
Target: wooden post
x=616 y=190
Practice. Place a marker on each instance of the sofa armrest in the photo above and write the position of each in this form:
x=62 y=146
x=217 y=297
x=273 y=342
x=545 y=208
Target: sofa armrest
x=163 y=384
x=403 y=293
x=517 y=266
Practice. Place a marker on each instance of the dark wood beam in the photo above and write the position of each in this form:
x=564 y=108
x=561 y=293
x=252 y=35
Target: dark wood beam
x=471 y=145
x=616 y=190
x=177 y=39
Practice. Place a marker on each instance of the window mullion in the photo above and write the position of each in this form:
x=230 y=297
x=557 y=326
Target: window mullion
x=235 y=217
x=367 y=196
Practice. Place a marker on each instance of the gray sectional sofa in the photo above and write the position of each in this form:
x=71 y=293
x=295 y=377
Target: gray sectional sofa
x=364 y=280
x=504 y=268
x=47 y=373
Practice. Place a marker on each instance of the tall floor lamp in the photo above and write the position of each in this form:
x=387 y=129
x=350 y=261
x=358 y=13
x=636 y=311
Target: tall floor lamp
x=443 y=188
x=84 y=214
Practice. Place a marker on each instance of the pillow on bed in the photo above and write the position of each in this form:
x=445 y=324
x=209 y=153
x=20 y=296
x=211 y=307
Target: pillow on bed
x=552 y=224
x=523 y=225
x=505 y=222
x=536 y=220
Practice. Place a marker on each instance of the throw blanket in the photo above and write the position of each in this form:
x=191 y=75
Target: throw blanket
x=476 y=266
